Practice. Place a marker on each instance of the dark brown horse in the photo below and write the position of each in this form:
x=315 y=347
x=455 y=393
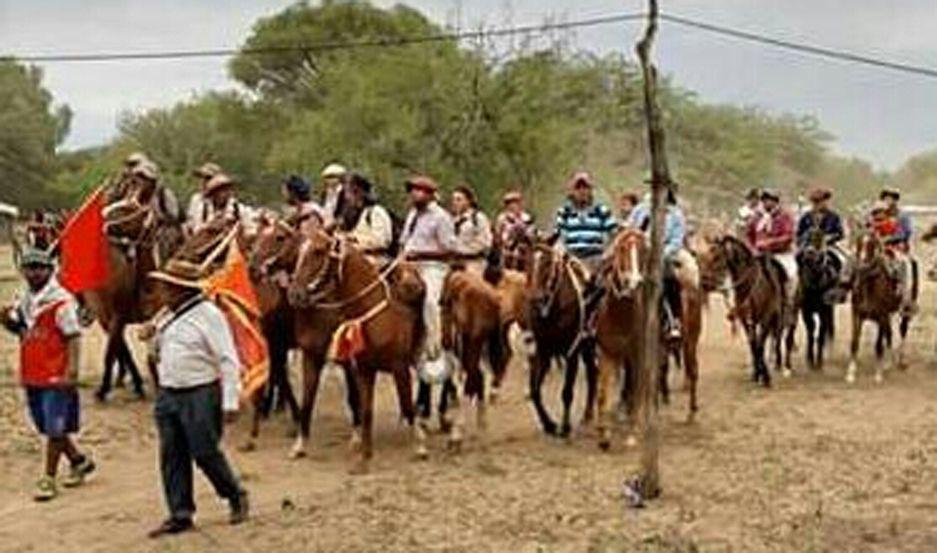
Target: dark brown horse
x=382 y=330
x=556 y=315
x=140 y=240
x=759 y=287
x=876 y=298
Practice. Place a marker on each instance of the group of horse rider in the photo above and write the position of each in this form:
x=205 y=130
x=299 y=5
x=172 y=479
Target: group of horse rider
x=769 y=228
x=432 y=236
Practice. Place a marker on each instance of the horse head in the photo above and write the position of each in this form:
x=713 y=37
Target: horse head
x=628 y=259
x=319 y=269
x=544 y=272
x=275 y=249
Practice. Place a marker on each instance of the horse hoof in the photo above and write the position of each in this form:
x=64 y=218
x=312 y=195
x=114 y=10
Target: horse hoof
x=494 y=395
x=605 y=444
x=454 y=445
x=421 y=453
x=247 y=447
x=786 y=373
x=101 y=396
x=631 y=441
x=850 y=378
x=549 y=429
x=565 y=431
x=297 y=453
x=878 y=378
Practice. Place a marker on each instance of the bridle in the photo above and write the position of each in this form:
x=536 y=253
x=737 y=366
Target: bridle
x=266 y=266
x=625 y=270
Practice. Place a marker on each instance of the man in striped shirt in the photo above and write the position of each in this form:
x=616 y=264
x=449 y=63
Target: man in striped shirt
x=584 y=225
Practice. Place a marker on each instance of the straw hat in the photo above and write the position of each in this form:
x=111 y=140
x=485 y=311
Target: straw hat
x=146 y=170
x=179 y=273
x=134 y=159
x=207 y=171
x=511 y=197
x=334 y=170
x=581 y=178
x=218 y=182
x=36 y=257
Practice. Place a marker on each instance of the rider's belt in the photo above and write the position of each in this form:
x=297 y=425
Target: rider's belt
x=428 y=256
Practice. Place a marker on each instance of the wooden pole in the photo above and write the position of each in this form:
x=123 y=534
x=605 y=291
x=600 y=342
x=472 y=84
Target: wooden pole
x=647 y=382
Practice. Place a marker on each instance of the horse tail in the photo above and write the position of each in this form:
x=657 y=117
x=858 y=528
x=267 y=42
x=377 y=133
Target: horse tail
x=494 y=268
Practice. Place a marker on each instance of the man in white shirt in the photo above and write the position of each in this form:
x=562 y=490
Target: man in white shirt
x=367 y=222
x=198 y=207
x=428 y=240
x=199 y=384
x=472 y=229
x=222 y=202
x=334 y=177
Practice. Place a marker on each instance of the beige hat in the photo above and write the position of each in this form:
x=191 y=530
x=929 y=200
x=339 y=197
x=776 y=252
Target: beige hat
x=422 y=182
x=207 y=171
x=180 y=273
x=218 y=182
x=334 y=170
x=135 y=159
x=146 y=169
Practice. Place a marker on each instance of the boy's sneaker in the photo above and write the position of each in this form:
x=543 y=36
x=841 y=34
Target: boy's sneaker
x=45 y=489
x=79 y=472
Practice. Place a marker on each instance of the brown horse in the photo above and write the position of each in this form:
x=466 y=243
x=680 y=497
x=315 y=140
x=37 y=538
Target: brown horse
x=139 y=240
x=620 y=321
x=471 y=322
x=758 y=285
x=876 y=298
x=556 y=315
x=273 y=259
x=380 y=331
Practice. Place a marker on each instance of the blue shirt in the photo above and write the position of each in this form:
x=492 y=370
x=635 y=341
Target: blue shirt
x=585 y=231
x=827 y=221
x=674 y=226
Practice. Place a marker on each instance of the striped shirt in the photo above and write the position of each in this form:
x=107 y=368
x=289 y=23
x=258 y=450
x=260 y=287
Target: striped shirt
x=585 y=232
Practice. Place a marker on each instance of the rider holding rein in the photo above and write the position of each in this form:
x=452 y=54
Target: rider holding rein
x=773 y=234
x=821 y=218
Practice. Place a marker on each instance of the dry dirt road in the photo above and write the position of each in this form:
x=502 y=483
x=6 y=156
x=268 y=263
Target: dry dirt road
x=811 y=465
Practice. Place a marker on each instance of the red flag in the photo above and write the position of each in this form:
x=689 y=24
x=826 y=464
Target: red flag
x=85 y=255
x=232 y=290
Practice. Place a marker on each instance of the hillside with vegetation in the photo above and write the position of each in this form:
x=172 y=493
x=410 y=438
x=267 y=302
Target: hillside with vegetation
x=473 y=112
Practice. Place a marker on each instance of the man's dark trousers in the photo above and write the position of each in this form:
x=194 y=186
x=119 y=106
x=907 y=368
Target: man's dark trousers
x=189 y=423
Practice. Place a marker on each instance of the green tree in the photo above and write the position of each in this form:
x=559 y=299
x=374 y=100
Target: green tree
x=31 y=128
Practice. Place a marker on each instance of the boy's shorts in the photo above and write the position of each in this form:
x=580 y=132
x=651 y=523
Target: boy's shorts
x=54 y=411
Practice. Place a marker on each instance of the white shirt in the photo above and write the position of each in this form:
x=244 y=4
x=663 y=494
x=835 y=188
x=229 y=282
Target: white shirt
x=66 y=318
x=473 y=233
x=429 y=230
x=374 y=230
x=197 y=348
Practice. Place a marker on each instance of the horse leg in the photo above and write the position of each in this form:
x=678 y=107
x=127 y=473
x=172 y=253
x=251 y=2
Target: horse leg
x=589 y=361
x=366 y=380
x=691 y=373
x=810 y=327
x=499 y=354
x=826 y=319
x=751 y=331
x=353 y=399
x=311 y=373
x=569 y=393
x=408 y=410
x=763 y=334
x=903 y=325
x=854 y=347
x=606 y=376
x=884 y=326
x=539 y=365
x=791 y=332
x=471 y=371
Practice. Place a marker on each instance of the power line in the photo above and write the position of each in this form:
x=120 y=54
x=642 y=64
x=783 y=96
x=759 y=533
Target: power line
x=327 y=46
x=801 y=47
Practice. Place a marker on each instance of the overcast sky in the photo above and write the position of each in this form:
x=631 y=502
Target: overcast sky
x=880 y=115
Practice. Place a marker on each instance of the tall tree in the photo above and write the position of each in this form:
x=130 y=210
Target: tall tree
x=31 y=128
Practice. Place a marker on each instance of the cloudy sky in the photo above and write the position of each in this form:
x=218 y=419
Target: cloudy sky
x=880 y=115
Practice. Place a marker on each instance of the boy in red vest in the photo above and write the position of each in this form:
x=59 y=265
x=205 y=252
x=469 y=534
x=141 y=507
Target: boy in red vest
x=46 y=320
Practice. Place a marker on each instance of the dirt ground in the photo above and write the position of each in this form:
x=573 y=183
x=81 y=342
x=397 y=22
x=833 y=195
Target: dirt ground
x=811 y=465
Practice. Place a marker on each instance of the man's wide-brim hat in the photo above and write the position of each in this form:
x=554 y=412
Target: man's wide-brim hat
x=879 y=207
x=422 y=182
x=146 y=170
x=581 y=179
x=768 y=194
x=334 y=171
x=218 y=182
x=180 y=273
x=134 y=159
x=511 y=197
x=890 y=192
x=207 y=171
x=819 y=194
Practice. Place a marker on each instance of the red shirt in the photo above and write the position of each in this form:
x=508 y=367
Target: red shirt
x=44 y=350
x=773 y=232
